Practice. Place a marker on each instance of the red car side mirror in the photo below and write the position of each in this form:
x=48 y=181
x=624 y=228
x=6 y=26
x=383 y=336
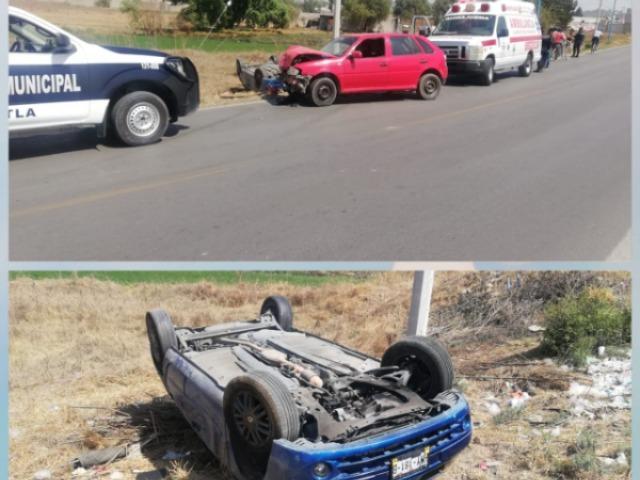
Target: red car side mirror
x=356 y=54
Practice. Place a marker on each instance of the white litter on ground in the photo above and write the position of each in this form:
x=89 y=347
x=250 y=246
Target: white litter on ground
x=611 y=386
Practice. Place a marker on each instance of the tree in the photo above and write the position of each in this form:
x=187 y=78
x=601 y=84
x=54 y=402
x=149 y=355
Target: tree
x=256 y=13
x=439 y=8
x=409 y=8
x=364 y=15
x=311 y=5
x=578 y=12
x=560 y=12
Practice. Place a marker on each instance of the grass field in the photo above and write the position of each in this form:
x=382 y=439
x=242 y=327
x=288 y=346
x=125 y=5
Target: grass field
x=82 y=378
x=218 y=277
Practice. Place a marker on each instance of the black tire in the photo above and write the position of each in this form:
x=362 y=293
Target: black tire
x=258 y=409
x=280 y=308
x=429 y=86
x=140 y=118
x=427 y=359
x=258 y=76
x=162 y=336
x=323 y=92
x=488 y=76
x=525 y=69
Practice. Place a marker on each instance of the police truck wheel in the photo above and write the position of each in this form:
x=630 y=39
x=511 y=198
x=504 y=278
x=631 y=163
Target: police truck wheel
x=162 y=336
x=429 y=364
x=429 y=86
x=526 y=68
x=140 y=118
x=323 y=92
x=489 y=72
x=258 y=409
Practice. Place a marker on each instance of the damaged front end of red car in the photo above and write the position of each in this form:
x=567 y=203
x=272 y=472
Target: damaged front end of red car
x=282 y=74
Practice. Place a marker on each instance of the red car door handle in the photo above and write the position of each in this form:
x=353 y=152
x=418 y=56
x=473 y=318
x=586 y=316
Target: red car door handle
x=424 y=61
x=383 y=64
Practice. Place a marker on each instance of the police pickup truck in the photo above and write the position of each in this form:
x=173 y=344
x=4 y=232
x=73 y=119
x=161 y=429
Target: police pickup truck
x=57 y=80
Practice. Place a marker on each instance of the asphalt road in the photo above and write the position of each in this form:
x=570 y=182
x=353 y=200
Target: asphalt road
x=529 y=169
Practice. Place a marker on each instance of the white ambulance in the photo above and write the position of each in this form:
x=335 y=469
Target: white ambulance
x=482 y=37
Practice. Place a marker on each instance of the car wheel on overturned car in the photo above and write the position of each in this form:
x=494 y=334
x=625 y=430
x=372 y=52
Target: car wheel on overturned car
x=281 y=310
x=162 y=336
x=428 y=361
x=429 y=86
x=323 y=91
x=258 y=409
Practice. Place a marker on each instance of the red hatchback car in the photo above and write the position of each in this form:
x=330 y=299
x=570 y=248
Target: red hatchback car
x=359 y=63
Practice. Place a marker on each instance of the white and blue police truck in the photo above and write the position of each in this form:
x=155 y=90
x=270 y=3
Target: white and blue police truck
x=57 y=80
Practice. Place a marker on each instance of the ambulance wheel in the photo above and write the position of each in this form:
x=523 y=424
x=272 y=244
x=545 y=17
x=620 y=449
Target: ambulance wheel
x=323 y=91
x=489 y=72
x=429 y=86
x=428 y=362
x=140 y=118
x=526 y=68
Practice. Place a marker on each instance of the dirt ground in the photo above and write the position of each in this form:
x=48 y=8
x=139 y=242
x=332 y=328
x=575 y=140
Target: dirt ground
x=81 y=378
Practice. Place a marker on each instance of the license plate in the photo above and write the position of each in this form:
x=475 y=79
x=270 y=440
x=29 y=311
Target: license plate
x=409 y=463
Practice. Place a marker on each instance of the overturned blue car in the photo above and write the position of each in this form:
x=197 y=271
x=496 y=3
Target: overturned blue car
x=272 y=402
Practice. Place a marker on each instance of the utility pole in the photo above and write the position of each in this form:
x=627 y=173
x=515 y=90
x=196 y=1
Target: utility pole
x=420 y=303
x=599 y=15
x=337 y=11
x=609 y=27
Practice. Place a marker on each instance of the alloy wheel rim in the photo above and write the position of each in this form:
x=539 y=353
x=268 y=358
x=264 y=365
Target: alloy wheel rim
x=143 y=119
x=252 y=419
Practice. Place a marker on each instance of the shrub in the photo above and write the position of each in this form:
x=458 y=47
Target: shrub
x=103 y=3
x=577 y=324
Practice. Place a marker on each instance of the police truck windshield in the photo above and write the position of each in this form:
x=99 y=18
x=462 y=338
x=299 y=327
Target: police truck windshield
x=466 y=25
x=338 y=46
x=28 y=37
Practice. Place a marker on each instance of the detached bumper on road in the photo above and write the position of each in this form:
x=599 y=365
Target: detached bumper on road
x=446 y=435
x=466 y=67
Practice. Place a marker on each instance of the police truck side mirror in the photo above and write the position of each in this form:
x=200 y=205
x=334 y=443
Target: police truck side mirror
x=63 y=44
x=503 y=33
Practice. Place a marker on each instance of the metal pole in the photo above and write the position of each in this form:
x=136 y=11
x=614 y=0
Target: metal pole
x=336 y=18
x=420 y=303
x=599 y=15
x=613 y=12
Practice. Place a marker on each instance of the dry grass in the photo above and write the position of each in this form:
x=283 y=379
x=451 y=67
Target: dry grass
x=219 y=83
x=78 y=19
x=81 y=343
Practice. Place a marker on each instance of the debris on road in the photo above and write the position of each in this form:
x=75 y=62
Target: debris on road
x=172 y=455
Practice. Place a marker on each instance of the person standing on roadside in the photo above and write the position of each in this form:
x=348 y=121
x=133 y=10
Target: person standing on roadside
x=578 y=40
x=557 y=37
x=547 y=42
x=595 y=39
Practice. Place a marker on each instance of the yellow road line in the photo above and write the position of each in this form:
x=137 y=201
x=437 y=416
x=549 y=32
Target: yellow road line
x=94 y=197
